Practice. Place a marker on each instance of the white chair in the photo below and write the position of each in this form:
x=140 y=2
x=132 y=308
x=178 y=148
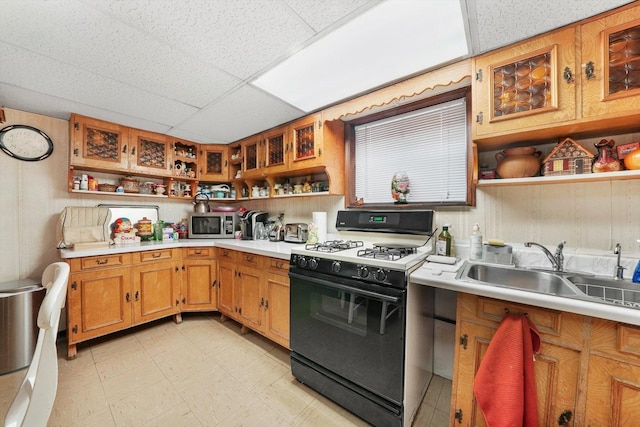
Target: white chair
x=34 y=401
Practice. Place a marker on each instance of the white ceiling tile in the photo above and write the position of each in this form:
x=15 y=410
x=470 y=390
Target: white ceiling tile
x=239 y=36
x=78 y=35
x=322 y=14
x=242 y=113
x=47 y=105
x=41 y=74
x=500 y=24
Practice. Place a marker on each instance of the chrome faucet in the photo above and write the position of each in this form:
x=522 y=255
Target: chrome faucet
x=619 y=269
x=557 y=260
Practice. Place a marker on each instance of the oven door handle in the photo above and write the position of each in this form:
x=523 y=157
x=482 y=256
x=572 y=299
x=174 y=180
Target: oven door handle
x=346 y=288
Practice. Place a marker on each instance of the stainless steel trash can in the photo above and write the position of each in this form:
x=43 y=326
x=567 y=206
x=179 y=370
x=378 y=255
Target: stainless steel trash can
x=20 y=302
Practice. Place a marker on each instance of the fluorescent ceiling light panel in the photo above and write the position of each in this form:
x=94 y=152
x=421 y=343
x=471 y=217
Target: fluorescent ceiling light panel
x=393 y=40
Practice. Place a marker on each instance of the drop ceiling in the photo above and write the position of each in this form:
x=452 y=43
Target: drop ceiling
x=185 y=67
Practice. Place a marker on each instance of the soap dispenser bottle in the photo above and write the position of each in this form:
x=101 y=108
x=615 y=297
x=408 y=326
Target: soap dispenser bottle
x=475 y=247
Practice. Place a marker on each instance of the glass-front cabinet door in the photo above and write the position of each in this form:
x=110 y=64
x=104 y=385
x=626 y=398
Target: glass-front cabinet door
x=253 y=156
x=306 y=142
x=527 y=85
x=214 y=162
x=98 y=144
x=149 y=153
x=610 y=52
x=276 y=150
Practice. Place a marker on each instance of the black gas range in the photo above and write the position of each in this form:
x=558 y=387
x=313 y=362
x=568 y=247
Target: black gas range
x=384 y=264
x=349 y=314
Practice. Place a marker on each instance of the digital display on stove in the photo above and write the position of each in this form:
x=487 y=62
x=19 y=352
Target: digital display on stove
x=378 y=219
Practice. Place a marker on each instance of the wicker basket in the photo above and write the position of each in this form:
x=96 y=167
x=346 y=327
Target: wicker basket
x=106 y=187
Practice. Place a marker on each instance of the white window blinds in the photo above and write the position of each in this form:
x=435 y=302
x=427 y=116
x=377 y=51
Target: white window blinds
x=429 y=144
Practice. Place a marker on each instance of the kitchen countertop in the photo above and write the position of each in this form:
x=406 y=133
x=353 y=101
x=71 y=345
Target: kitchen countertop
x=280 y=249
x=447 y=280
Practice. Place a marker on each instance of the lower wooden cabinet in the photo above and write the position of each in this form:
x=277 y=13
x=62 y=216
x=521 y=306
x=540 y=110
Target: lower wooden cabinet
x=276 y=302
x=558 y=362
x=98 y=301
x=114 y=292
x=587 y=373
x=254 y=291
x=199 y=284
x=613 y=381
x=156 y=284
x=110 y=293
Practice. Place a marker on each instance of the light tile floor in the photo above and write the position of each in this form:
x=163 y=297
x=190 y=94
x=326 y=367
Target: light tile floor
x=201 y=372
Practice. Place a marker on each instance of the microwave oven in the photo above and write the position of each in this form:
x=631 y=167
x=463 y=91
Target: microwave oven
x=213 y=225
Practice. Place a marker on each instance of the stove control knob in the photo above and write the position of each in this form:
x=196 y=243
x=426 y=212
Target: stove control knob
x=313 y=263
x=363 y=272
x=380 y=275
x=302 y=261
x=336 y=266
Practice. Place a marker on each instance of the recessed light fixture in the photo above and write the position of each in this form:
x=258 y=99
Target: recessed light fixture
x=394 y=39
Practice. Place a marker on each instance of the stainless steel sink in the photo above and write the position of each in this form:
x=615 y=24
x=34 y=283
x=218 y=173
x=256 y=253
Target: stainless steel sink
x=619 y=292
x=529 y=280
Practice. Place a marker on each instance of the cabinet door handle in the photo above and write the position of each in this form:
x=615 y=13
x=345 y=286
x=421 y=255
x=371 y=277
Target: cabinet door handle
x=137 y=296
x=214 y=283
x=156 y=254
x=124 y=149
x=102 y=261
x=266 y=304
x=479 y=118
x=177 y=302
x=184 y=300
x=589 y=70
x=128 y=297
x=133 y=151
x=279 y=265
x=261 y=302
x=565 y=418
x=567 y=75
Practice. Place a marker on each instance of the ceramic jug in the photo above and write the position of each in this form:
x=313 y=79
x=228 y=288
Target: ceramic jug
x=519 y=162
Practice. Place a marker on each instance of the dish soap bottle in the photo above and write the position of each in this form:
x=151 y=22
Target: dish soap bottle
x=443 y=245
x=475 y=247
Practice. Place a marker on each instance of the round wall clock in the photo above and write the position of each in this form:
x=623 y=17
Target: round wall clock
x=25 y=143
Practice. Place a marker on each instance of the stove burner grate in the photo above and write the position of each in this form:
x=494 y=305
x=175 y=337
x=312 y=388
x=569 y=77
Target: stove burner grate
x=387 y=253
x=334 y=245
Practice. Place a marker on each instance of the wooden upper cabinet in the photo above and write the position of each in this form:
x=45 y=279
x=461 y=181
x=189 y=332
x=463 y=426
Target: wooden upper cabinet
x=98 y=144
x=610 y=55
x=253 y=157
x=214 y=163
x=525 y=86
x=149 y=153
x=305 y=147
x=276 y=148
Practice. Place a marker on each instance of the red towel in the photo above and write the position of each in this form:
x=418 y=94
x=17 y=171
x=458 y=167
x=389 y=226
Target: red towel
x=504 y=385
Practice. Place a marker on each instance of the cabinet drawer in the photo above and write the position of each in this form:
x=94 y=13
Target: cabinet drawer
x=152 y=256
x=251 y=260
x=227 y=254
x=104 y=261
x=278 y=265
x=198 y=252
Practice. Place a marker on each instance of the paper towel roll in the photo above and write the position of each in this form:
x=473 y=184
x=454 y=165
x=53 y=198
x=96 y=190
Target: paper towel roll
x=320 y=221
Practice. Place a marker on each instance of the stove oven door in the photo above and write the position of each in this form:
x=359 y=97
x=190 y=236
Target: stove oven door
x=352 y=331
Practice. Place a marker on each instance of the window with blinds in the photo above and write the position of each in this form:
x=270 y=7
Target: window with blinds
x=429 y=144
